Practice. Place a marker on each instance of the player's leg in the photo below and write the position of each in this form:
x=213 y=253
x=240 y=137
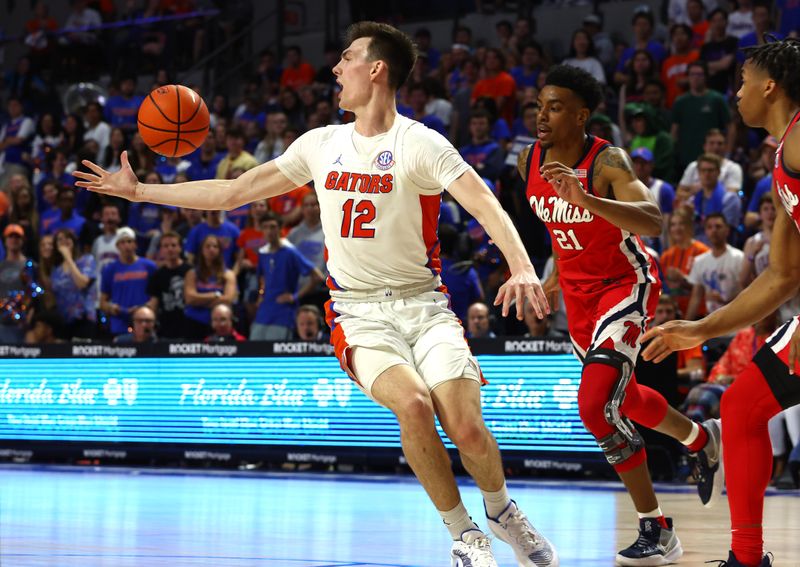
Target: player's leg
x=453 y=377
x=400 y=389
x=379 y=360
x=605 y=389
x=458 y=406
x=759 y=392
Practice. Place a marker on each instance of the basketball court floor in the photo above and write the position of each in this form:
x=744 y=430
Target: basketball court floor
x=62 y=516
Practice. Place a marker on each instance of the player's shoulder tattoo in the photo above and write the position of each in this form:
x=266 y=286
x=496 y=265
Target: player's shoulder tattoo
x=614 y=158
x=522 y=161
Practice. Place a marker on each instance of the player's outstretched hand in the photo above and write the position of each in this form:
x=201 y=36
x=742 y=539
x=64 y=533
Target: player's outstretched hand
x=119 y=184
x=519 y=287
x=670 y=337
x=564 y=181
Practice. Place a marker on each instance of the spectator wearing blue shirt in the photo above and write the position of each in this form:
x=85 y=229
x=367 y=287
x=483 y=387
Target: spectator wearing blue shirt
x=418 y=97
x=56 y=163
x=124 y=283
x=122 y=109
x=280 y=267
x=483 y=154
x=423 y=40
x=204 y=161
x=712 y=197
x=460 y=278
x=227 y=233
x=663 y=193
x=209 y=284
x=643 y=27
x=763 y=25
x=764 y=185
x=15 y=138
x=144 y=218
x=526 y=74
x=68 y=218
x=789 y=11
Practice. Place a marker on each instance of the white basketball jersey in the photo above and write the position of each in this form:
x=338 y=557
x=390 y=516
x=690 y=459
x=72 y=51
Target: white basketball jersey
x=379 y=200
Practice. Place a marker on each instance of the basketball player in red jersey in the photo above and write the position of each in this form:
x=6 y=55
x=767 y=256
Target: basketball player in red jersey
x=769 y=98
x=594 y=211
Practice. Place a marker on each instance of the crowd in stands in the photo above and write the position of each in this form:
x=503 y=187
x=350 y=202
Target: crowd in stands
x=79 y=267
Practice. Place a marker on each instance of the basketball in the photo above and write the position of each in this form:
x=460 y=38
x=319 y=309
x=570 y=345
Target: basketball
x=173 y=120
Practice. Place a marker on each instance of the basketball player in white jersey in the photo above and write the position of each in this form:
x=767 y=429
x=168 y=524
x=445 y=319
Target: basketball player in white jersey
x=379 y=183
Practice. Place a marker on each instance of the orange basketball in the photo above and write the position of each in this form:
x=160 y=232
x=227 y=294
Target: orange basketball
x=173 y=120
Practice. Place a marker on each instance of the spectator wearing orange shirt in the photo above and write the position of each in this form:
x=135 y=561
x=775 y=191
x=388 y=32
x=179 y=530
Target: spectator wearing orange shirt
x=297 y=73
x=497 y=84
x=674 y=70
x=695 y=11
x=677 y=260
x=289 y=207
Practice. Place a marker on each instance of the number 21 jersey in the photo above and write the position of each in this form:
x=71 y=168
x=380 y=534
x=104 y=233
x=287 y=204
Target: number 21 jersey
x=589 y=249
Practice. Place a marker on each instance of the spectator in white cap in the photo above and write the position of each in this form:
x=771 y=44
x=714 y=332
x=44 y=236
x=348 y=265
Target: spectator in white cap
x=124 y=283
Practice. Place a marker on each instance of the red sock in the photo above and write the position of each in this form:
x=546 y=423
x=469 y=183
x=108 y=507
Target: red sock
x=746 y=408
x=700 y=441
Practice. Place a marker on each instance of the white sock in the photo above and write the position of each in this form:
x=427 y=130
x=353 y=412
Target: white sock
x=458 y=521
x=657 y=513
x=496 y=502
x=693 y=435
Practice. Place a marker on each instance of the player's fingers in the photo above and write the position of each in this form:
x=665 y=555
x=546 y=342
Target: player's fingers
x=94 y=167
x=519 y=298
x=498 y=299
x=85 y=176
x=123 y=159
x=530 y=297
x=792 y=356
x=652 y=349
x=541 y=299
x=651 y=333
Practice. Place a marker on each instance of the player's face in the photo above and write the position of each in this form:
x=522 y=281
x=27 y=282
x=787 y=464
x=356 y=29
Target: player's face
x=561 y=116
x=353 y=73
x=752 y=95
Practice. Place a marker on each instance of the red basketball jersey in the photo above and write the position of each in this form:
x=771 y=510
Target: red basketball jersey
x=590 y=249
x=787 y=182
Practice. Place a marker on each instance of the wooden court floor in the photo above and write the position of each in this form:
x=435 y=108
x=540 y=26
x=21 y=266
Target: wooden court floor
x=59 y=516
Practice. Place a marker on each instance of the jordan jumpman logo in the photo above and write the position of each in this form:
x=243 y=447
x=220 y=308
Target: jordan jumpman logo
x=339 y=160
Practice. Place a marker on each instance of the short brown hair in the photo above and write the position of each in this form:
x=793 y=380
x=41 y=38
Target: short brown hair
x=388 y=44
x=713 y=159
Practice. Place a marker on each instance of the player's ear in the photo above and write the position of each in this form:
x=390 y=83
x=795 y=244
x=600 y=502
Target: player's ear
x=378 y=67
x=583 y=116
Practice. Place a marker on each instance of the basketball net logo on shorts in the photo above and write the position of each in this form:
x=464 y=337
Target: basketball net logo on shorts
x=384 y=161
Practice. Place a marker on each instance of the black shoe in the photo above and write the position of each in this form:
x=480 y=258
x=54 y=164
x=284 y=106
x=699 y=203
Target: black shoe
x=656 y=545
x=733 y=562
x=709 y=471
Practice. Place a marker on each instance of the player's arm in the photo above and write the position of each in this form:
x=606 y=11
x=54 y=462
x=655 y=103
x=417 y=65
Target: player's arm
x=632 y=207
x=261 y=182
x=473 y=194
x=776 y=284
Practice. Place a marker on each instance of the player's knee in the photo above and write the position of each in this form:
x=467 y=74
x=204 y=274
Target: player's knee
x=592 y=399
x=468 y=436
x=414 y=409
x=592 y=413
